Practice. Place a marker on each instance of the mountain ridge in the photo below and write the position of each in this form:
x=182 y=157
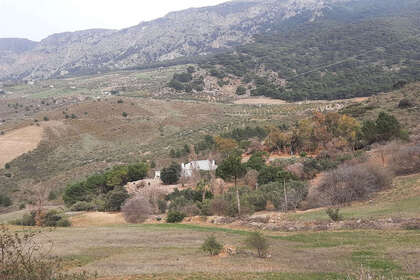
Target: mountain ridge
x=191 y=32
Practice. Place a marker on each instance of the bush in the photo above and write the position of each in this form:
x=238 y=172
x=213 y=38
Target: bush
x=83 y=206
x=175 y=217
x=116 y=198
x=63 y=223
x=334 y=214
x=162 y=205
x=5 y=201
x=257 y=241
x=136 y=209
x=7 y=166
x=241 y=90
x=349 y=183
x=405 y=103
x=211 y=246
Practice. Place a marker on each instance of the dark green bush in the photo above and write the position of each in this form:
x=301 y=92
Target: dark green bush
x=175 y=217
x=116 y=198
x=83 y=206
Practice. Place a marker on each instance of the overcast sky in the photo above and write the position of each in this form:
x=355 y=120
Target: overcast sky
x=36 y=19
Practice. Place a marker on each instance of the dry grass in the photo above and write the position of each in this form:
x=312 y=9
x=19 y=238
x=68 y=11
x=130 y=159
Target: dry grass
x=97 y=219
x=17 y=142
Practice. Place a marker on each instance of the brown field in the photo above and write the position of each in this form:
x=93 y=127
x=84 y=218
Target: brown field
x=17 y=142
x=261 y=100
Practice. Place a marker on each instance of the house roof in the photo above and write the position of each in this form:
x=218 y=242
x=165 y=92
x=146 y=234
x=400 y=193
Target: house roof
x=206 y=165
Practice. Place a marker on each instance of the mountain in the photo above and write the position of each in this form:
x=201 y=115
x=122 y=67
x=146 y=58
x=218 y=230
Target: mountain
x=191 y=32
x=288 y=37
x=356 y=48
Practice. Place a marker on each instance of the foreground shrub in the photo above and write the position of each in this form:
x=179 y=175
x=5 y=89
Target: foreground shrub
x=175 y=217
x=334 y=214
x=211 y=246
x=136 y=209
x=257 y=241
x=23 y=257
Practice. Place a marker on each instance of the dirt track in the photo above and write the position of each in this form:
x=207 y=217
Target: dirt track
x=17 y=142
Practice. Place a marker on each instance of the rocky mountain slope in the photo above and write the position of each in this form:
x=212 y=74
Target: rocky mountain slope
x=191 y=32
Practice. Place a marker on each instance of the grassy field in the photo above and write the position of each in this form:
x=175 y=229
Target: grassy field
x=167 y=251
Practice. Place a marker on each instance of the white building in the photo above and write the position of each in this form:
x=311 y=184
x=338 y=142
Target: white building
x=199 y=165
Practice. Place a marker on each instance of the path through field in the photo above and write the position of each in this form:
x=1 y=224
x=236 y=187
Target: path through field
x=17 y=142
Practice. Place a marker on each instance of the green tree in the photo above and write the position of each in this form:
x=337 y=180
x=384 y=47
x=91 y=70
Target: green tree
x=137 y=171
x=116 y=198
x=232 y=168
x=387 y=127
x=257 y=161
x=170 y=175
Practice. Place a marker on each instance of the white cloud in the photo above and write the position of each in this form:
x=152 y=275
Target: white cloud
x=36 y=19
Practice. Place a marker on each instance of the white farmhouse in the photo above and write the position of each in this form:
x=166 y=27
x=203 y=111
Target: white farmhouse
x=200 y=165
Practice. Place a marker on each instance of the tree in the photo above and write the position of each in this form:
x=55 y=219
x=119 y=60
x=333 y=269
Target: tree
x=257 y=241
x=387 y=127
x=170 y=175
x=225 y=145
x=116 y=198
x=240 y=90
x=257 y=161
x=232 y=168
x=137 y=171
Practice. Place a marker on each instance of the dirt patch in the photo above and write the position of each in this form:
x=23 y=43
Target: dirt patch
x=94 y=219
x=262 y=101
x=17 y=142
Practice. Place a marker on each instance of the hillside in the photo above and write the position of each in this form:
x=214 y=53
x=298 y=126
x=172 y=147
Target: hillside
x=358 y=48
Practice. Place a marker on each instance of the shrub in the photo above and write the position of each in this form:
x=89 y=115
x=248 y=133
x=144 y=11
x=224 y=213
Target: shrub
x=64 y=223
x=162 y=205
x=136 y=209
x=240 y=90
x=7 y=166
x=211 y=246
x=124 y=114
x=175 y=217
x=405 y=103
x=349 y=183
x=334 y=214
x=257 y=241
x=116 y=198
x=83 y=206
x=5 y=200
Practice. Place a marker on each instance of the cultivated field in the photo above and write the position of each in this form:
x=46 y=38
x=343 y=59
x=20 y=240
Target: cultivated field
x=17 y=142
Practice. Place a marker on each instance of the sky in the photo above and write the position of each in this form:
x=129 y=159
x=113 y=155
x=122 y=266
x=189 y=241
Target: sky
x=37 y=19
